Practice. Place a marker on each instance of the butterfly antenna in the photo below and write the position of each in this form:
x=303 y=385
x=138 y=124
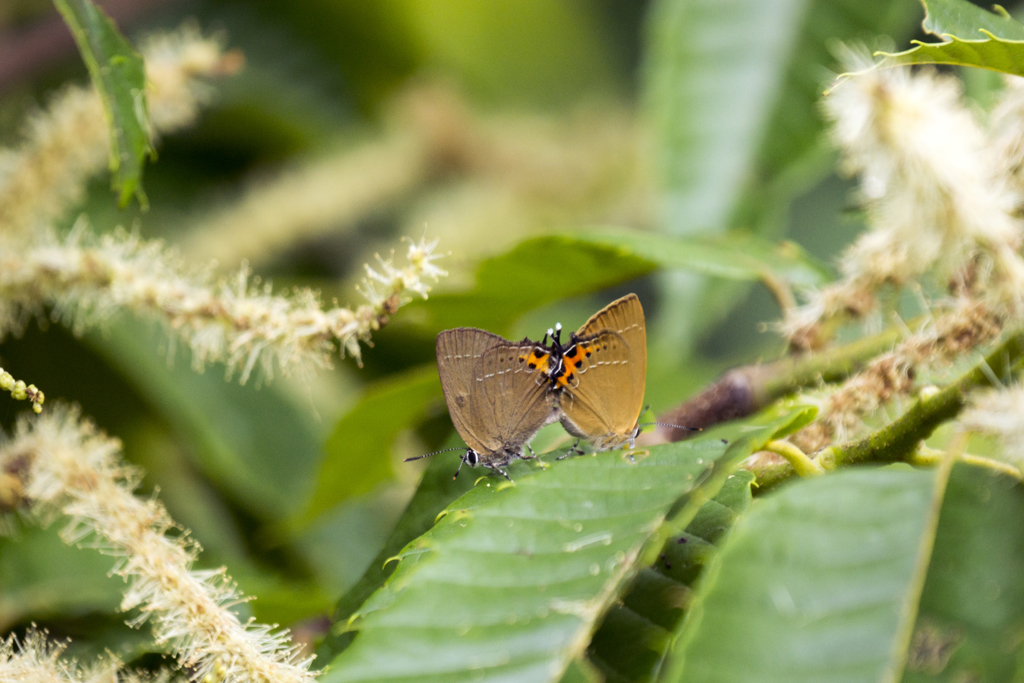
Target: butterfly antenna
x=666 y=424
x=427 y=455
x=458 y=469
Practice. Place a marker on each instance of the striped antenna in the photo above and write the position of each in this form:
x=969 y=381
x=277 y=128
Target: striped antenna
x=427 y=455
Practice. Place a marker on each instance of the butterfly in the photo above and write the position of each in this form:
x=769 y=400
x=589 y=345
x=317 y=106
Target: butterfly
x=498 y=394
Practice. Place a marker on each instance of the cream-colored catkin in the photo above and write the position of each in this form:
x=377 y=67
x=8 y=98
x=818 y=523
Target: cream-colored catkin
x=234 y=321
x=937 y=202
x=35 y=659
x=313 y=198
x=999 y=413
x=1006 y=134
x=68 y=142
x=479 y=182
x=951 y=335
x=73 y=471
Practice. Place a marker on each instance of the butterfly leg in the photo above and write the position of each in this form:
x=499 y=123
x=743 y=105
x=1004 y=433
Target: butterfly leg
x=501 y=472
x=532 y=455
x=575 y=450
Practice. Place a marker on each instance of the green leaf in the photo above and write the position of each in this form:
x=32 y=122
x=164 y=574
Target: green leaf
x=357 y=454
x=510 y=583
x=965 y=19
x=819 y=579
x=42 y=577
x=973 y=37
x=736 y=256
x=437 y=490
x=635 y=635
x=713 y=70
x=994 y=54
x=535 y=272
x=793 y=154
x=732 y=90
x=972 y=608
x=119 y=76
x=541 y=270
x=257 y=445
x=582 y=671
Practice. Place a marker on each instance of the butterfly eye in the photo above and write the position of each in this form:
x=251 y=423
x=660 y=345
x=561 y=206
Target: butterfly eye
x=472 y=458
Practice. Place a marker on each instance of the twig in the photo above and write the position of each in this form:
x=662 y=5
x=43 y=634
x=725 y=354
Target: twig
x=745 y=390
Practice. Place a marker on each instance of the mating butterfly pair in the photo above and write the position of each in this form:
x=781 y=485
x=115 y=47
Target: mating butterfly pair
x=500 y=393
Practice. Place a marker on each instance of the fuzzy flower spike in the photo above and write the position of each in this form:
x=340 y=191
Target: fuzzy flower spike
x=236 y=321
x=999 y=413
x=68 y=142
x=935 y=199
x=72 y=470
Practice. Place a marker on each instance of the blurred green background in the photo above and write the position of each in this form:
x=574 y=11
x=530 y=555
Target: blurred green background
x=539 y=116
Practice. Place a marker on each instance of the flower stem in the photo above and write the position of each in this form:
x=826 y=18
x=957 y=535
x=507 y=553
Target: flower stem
x=802 y=465
x=899 y=440
x=925 y=456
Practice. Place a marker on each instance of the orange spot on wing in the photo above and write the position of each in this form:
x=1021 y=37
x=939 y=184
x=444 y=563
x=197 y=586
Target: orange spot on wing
x=537 y=360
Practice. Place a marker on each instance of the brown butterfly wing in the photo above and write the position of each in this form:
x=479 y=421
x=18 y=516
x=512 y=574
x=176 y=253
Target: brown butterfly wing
x=513 y=395
x=458 y=354
x=607 y=372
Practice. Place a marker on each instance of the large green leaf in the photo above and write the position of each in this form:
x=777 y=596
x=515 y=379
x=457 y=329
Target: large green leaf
x=541 y=270
x=119 y=76
x=820 y=580
x=257 y=445
x=737 y=256
x=965 y=19
x=535 y=272
x=793 y=153
x=732 y=90
x=713 y=71
x=357 y=454
x=635 y=634
x=437 y=490
x=972 y=608
x=42 y=577
x=972 y=37
x=510 y=583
